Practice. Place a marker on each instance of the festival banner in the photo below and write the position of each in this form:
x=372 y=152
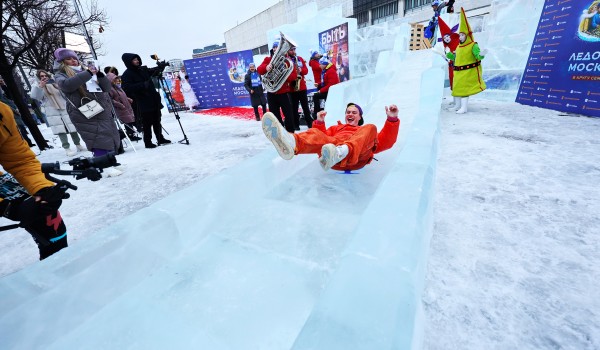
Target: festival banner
x=218 y=81
x=563 y=70
x=334 y=43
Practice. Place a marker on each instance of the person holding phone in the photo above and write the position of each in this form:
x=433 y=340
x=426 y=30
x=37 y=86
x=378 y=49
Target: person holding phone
x=55 y=104
x=80 y=85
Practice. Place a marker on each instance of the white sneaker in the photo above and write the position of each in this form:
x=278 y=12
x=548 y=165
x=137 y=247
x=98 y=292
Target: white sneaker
x=112 y=172
x=80 y=148
x=331 y=155
x=70 y=152
x=284 y=142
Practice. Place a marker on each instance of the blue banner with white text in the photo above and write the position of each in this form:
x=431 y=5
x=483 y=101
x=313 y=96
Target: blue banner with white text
x=218 y=81
x=563 y=69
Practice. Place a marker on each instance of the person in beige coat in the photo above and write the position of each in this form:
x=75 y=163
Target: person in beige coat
x=56 y=111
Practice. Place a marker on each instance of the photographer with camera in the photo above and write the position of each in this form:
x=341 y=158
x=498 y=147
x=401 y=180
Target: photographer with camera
x=37 y=213
x=138 y=85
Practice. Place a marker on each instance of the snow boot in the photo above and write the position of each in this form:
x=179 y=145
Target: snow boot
x=70 y=152
x=284 y=142
x=80 y=148
x=331 y=155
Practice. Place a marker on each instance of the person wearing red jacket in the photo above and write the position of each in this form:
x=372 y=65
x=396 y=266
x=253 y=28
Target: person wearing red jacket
x=315 y=56
x=279 y=99
x=348 y=146
x=298 y=92
x=329 y=77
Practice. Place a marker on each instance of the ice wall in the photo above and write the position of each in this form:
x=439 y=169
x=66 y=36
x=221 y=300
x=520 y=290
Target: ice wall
x=508 y=33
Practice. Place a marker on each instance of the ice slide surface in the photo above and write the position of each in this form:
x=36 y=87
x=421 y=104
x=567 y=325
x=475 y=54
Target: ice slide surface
x=302 y=259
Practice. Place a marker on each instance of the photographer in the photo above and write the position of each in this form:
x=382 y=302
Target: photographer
x=138 y=85
x=38 y=214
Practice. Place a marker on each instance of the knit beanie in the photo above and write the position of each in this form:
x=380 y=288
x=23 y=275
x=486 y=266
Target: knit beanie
x=62 y=53
x=360 y=112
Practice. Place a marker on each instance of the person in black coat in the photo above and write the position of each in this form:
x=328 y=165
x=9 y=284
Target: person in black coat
x=253 y=83
x=137 y=84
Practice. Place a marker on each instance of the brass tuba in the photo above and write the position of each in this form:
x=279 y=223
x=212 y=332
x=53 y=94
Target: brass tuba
x=274 y=79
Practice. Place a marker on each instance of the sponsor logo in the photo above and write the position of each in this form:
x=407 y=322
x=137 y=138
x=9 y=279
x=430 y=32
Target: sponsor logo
x=588 y=100
x=548 y=64
x=545 y=76
x=536 y=100
x=557 y=36
x=552 y=96
x=541 y=89
x=560 y=23
x=565 y=8
x=526 y=82
x=552 y=51
x=536 y=46
x=576 y=92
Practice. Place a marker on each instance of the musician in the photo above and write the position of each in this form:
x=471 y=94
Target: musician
x=329 y=77
x=315 y=56
x=298 y=92
x=279 y=100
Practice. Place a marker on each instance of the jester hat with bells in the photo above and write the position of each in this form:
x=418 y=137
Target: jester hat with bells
x=445 y=30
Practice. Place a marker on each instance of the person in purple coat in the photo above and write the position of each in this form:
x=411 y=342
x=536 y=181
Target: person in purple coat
x=122 y=105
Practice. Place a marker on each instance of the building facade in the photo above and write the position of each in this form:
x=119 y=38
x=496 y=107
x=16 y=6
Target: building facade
x=210 y=50
x=251 y=34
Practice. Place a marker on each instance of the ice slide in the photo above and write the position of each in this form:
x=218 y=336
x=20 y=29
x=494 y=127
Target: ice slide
x=301 y=259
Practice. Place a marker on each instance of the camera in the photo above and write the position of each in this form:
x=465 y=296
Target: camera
x=160 y=65
x=99 y=162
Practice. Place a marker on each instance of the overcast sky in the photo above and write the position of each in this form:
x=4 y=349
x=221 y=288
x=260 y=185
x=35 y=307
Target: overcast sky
x=171 y=28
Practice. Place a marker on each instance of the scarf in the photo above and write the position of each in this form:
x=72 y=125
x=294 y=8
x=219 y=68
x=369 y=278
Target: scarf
x=55 y=97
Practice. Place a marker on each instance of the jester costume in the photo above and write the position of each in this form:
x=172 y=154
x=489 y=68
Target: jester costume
x=468 y=75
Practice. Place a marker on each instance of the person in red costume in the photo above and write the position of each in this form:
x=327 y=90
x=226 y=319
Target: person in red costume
x=329 y=77
x=279 y=99
x=348 y=146
x=315 y=56
x=450 y=41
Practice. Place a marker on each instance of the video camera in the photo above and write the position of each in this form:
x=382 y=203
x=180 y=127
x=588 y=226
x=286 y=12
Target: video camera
x=160 y=65
x=88 y=168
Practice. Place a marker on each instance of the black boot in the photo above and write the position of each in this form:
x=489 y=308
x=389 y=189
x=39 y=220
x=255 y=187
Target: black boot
x=163 y=141
x=150 y=145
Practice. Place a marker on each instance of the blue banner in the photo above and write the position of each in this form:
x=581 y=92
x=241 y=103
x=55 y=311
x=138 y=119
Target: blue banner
x=563 y=70
x=218 y=81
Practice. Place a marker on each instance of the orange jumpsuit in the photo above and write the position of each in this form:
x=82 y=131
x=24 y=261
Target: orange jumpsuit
x=363 y=141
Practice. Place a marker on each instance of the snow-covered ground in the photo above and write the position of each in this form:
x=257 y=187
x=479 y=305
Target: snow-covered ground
x=216 y=144
x=514 y=260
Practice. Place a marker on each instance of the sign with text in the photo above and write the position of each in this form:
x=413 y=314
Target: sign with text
x=563 y=70
x=218 y=81
x=334 y=43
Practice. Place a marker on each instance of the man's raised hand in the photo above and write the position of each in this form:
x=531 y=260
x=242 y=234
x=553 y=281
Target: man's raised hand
x=391 y=111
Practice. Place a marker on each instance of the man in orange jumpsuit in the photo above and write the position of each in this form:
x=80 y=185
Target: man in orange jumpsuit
x=348 y=146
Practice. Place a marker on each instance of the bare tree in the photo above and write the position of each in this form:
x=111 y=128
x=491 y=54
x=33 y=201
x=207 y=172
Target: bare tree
x=31 y=31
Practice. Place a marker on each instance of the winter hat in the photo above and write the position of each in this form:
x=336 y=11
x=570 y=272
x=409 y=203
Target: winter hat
x=435 y=3
x=62 y=53
x=324 y=61
x=276 y=43
x=360 y=112
x=313 y=53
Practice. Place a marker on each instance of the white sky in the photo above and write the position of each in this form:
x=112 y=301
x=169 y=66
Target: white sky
x=171 y=29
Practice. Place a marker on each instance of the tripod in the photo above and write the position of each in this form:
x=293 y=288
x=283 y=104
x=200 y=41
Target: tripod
x=165 y=89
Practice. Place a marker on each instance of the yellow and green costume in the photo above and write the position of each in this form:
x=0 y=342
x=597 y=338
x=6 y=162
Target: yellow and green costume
x=468 y=75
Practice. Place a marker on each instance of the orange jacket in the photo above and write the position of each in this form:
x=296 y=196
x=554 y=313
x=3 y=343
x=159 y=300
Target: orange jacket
x=385 y=138
x=16 y=157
